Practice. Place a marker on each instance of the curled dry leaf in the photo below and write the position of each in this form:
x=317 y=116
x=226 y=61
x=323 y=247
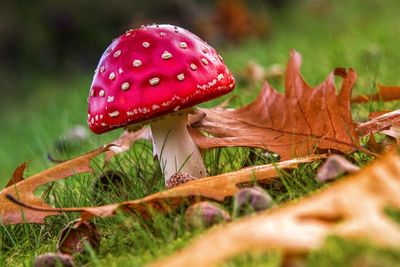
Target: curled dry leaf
x=18 y=174
x=76 y=235
x=125 y=141
x=214 y=187
x=11 y=213
x=334 y=167
x=293 y=124
x=379 y=123
x=350 y=208
x=385 y=93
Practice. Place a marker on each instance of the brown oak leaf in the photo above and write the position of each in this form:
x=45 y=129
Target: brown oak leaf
x=216 y=187
x=293 y=124
x=11 y=213
x=351 y=208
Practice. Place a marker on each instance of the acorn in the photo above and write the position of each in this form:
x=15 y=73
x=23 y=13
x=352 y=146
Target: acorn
x=204 y=215
x=250 y=200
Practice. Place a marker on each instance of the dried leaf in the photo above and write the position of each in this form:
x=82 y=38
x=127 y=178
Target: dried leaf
x=379 y=123
x=334 y=167
x=18 y=174
x=393 y=132
x=76 y=235
x=374 y=114
x=11 y=213
x=293 y=124
x=373 y=145
x=215 y=187
x=350 y=208
x=385 y=93
x=126 y=140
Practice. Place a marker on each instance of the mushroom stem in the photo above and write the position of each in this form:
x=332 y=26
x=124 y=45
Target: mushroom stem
x=175 y=148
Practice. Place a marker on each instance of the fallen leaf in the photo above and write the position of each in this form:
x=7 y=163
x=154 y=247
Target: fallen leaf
x=385 y=93
x=379 y=123
x=76 y=235
x=18 y=174
x=126 y=140
x=351 y=208
x=373 y=145
x=334 y=167
x=374 y=114
x=293 y=124
x=11 y=213
x=393 y=132
x=215 y=187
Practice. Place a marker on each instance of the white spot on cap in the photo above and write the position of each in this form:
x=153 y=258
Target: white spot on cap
x=102 y=93
x=154 y=81
x=128 y=34
x=204 y=61
x=146 y=44
x=102 y=69
x=180 y=77
x=111 y=76
x=137 y=63
x=113 y=114
x=103 y=124
x=166 y=55
x=204 y=50
x=222 y=59
x=177 y=108
x=125 y=86
x=109 y=50
x=220 y=76
x=91 y=92
x=110 y=99
x=96 y=117
x=101 y=116
x=92 y=120
x=120 y=70
x=193 y=66
x=117 y=53
x=162 y=34
x=155 y=107
x=183 y=45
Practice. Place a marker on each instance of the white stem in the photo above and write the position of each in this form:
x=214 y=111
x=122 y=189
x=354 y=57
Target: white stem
x=175 y=148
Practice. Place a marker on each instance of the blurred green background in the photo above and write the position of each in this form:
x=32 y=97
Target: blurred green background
x=49 y=50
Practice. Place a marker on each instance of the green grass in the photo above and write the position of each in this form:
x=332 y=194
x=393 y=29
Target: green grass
x=359 y=34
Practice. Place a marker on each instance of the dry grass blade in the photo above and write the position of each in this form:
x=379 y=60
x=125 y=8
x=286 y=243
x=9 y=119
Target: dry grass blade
x=351 y=208
x=293 y=124
x=215 y=187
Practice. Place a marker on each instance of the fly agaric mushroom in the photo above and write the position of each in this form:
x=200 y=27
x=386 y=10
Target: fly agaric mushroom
x=154 y=75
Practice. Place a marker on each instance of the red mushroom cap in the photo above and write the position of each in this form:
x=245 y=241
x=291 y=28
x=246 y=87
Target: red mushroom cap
x=152 y=71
